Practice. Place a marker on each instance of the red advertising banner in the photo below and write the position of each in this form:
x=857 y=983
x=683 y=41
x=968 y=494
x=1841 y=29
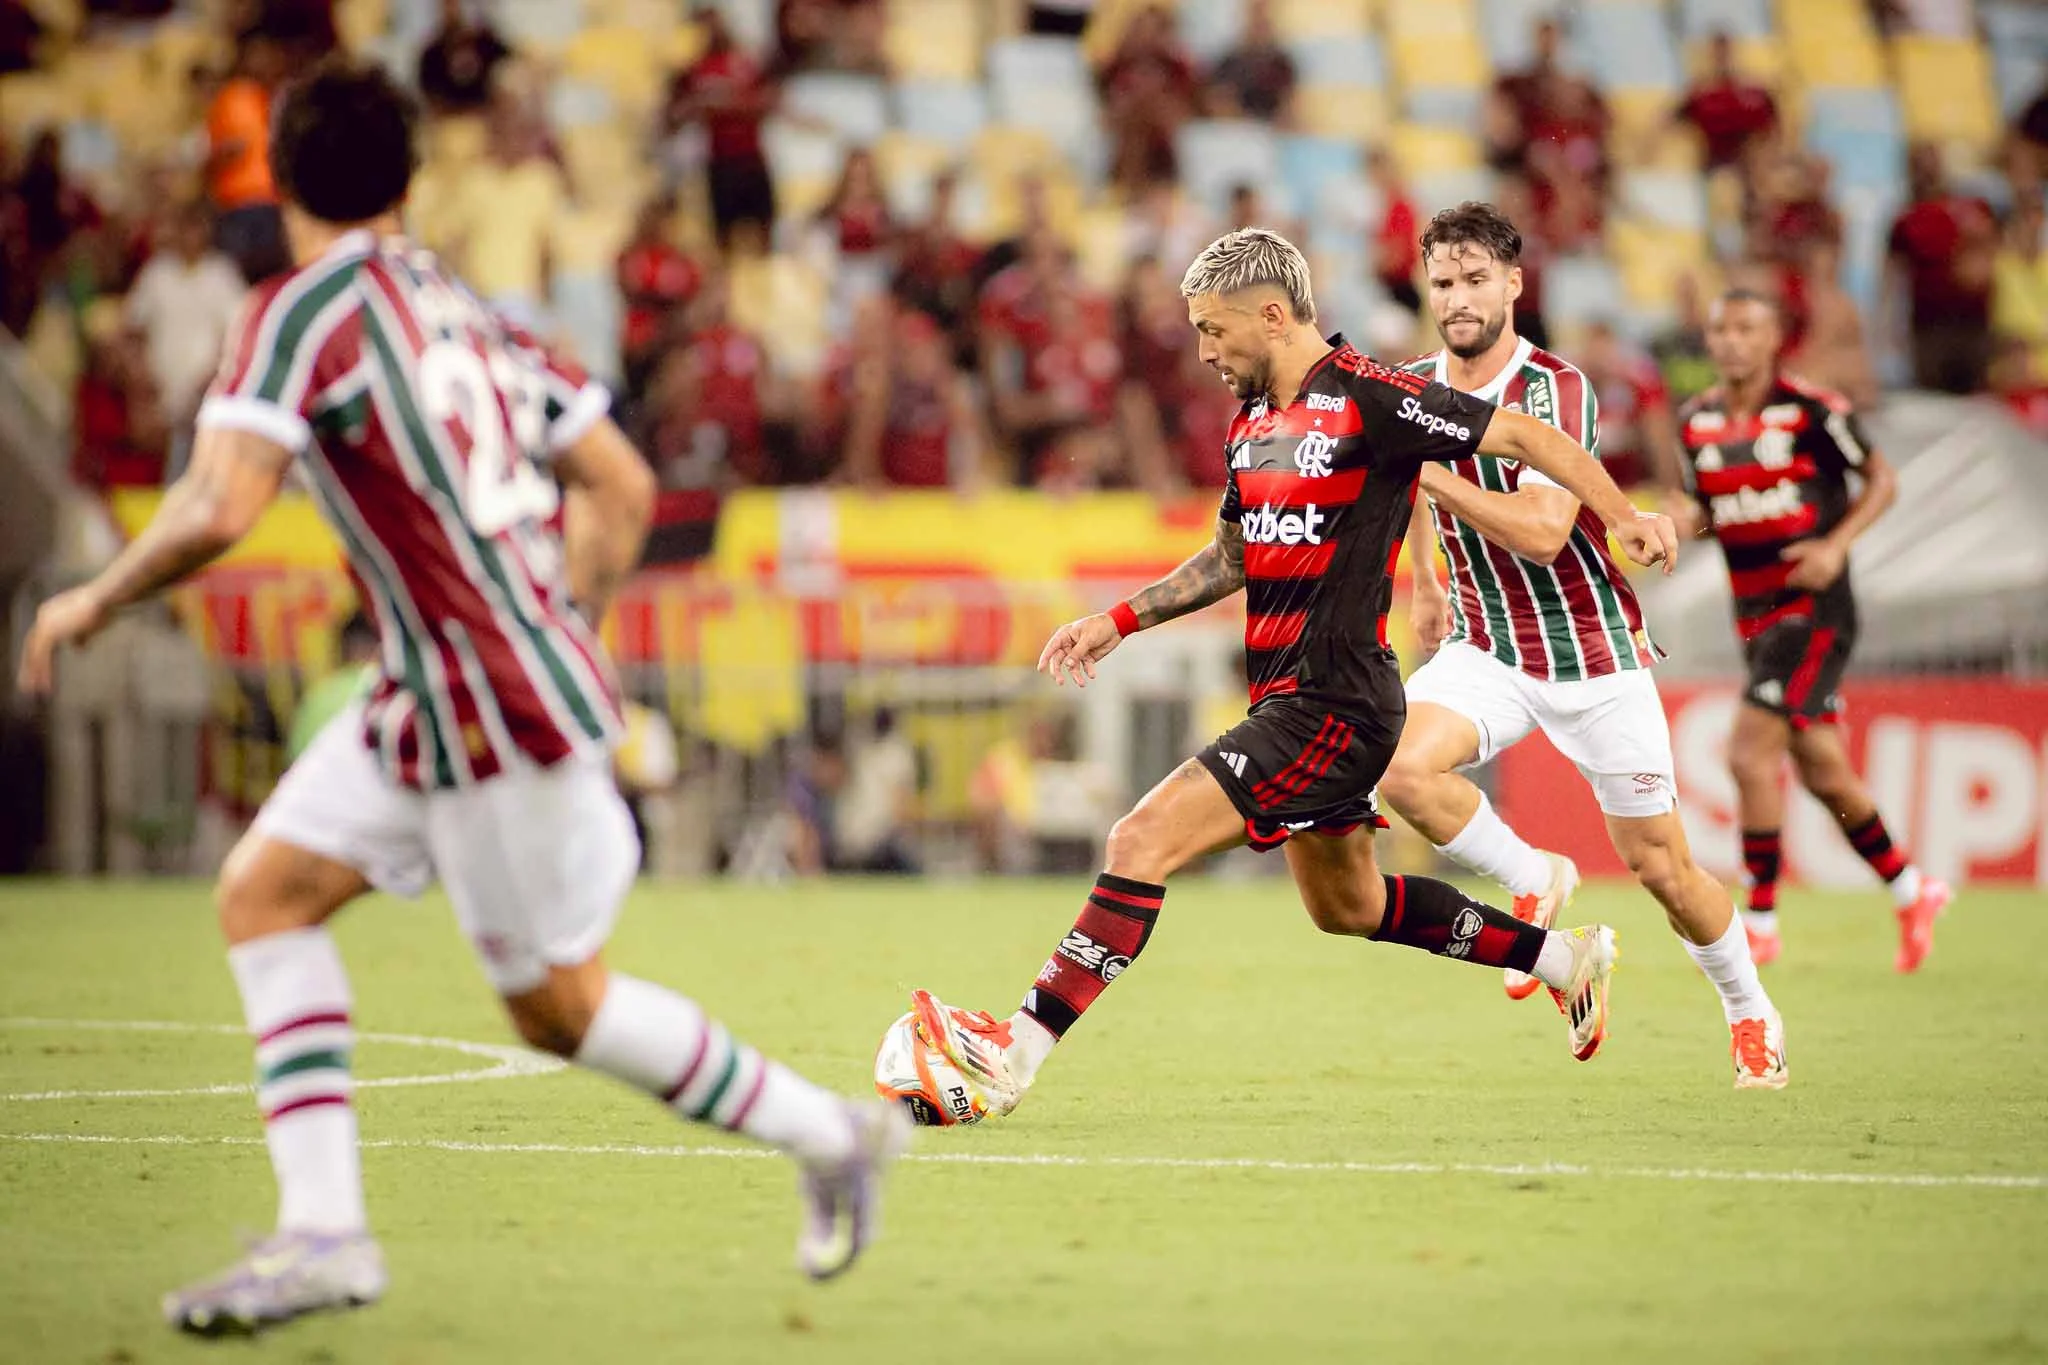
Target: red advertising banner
x=1959 y=766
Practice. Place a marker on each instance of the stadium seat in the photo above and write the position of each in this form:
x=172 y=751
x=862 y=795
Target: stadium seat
x=1018 y=67
x=938 y=40
x=1582 y=289
x=1437 y=60
x=1419 y=151
x=1509 y=29
x=538 y=25
x=1673 y=199
x=1217 y=155
x=1353 y=59
x=31 y=100
x=1760 y=59
x=752 y=22
x=952 y=112
x=2020 y=76
x=1210 y=28
x=806 y=165
x=1643 y=128
x=1628 y=46
x=620 y=59
x=854 y=107
x=1298 y=19
x=1945 y=90
x=1741 y=18
x=1860 y=132
x=576 y=103
x=782 y=300
x=1351 y=112
x=1312 y=167
x=2016 y=24
x=1438 y=189
x=1442 y=18
x=1443 y=106
x=908 y=165
x=1841 y=62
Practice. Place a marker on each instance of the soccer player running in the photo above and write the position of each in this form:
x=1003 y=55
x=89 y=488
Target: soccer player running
x=1323 y=459
x=434 y=437
x=1541 y=631
x=1768 y=458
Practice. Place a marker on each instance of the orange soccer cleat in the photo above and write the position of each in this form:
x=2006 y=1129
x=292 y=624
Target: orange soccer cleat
x=1758 y=1046
x=1916 y=923
x=1541 y=911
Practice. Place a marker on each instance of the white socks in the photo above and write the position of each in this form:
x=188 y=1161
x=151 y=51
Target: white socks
x=659 y=1042
x=1554 y=961
x=1487 y=846
x=1906 y=886
x=1727 y=964
x=296 y=999
x=1763 y=921
x=1030 y=1044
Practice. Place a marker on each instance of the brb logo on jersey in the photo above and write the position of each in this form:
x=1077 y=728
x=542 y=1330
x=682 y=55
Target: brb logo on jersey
x=1326 y=402
x=1312 y=456
x=1268 y=526
x=1752 y=505
x=1412 y=411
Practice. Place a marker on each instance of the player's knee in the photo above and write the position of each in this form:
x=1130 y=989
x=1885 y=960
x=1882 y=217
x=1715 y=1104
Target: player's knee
x=1659 y=868
x=1136 y=848
x=1353 y=914
x=1402 y=785
x=250 y=900
x=1753 y=762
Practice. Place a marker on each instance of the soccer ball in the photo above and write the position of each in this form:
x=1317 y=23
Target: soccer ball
x=917 y=1076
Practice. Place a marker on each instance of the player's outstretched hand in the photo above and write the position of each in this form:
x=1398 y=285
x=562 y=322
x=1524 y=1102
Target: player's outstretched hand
x=1649 y=539
x=1429 y=616
x=69 y=618
x=1816 y=564
x=1076 y=647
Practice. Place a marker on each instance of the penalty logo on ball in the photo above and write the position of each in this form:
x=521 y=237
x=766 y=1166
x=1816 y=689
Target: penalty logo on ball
x=917 y=1076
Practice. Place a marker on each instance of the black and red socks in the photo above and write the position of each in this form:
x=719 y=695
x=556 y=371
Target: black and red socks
x=1438 y=918
x=1108 y=936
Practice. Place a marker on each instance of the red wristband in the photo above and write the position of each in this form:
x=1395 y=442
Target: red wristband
x=1126 y=619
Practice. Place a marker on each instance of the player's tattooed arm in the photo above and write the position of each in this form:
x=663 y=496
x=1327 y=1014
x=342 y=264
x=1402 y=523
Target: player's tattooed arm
x=1211 y=574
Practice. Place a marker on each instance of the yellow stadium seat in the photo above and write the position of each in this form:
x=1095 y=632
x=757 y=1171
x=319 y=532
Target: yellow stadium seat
x=1438 y=61
x=37 y=99
x=1844 y=62
x=590 y=238
x=605 y=164
x=1643 y=134
x=1420 y=19
x=1945 y=90
x=1321 y=18
x=933 y=40
x=783 y=301
x=1418 y=149
x=1760 y=59
x=903 y=157
x=620 y=59
x=1099 y=243
x=1347 y=111
x=361 y=22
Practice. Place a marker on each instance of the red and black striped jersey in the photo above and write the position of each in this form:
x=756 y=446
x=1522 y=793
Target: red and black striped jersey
x=1575 y=617
x=1323 y=488
x=1767 y=479
x=425 y=427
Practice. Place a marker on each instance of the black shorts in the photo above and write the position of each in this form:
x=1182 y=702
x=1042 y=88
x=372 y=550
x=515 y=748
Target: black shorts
x=1293 y=765
x=742 y=191
x=1796 y=665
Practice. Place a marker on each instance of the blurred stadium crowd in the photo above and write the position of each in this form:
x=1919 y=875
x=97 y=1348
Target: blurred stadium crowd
x=938 y=242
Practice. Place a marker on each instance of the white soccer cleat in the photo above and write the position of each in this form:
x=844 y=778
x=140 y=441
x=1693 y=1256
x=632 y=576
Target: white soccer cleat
x=843 y=1199
x=1583 y=1001
x=1541 y=911
x=1758 y=1046
x=285 y=1276
x=976 y=1043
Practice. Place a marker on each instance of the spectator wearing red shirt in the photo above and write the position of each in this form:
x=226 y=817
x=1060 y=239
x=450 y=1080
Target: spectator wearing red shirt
x=119 y=438
x=1172 y=406
x=935 y=269
x=1638 y=433
x=707 y=404
x=1396 y=248
x=657 y=280
x=910 y=421
x=729 y=95
x=1149 y=90
x=857 y=215
x=1941 y=252
x=1728 y=112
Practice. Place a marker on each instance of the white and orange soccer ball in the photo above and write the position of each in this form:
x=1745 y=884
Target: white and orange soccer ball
x=916 y=1075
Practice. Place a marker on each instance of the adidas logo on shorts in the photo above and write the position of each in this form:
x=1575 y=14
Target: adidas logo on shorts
x=1234 y=762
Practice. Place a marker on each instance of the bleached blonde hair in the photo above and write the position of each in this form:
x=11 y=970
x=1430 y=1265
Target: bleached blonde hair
x=1248 y=258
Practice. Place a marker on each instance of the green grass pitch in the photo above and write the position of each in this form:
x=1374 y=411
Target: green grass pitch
x=1425 y=1174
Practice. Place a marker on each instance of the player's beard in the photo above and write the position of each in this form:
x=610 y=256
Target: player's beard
x=1489 y=332
x=1254 y=379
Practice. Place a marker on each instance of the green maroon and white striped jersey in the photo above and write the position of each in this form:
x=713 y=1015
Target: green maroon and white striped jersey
x=425 y=426
x=1576 y=617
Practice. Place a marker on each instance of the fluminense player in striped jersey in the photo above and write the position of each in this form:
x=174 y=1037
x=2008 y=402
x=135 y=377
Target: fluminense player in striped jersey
x=438 y=441
x=1541 y=631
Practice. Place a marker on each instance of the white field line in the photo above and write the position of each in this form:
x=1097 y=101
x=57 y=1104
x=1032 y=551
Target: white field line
x=1903 y=1179
x=506 y=1061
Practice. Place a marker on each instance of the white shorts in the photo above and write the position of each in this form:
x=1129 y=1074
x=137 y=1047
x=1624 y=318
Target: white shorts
x=536 y=860
x=1612 y=727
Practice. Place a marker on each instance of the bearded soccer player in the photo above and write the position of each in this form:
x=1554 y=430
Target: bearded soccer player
x=437 y=440
x=1769 y=459
x=1540 y=631
x=1323 y=459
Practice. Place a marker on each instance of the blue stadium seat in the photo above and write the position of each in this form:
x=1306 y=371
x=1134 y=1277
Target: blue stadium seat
x=752 y=22
x=1210 y=27
x=855 y=107
x=1672 y=198
x=941 y=110
x=576 y=103
x=1508 y=28
x=2016 y=25
x=2020 y=76
x=1860 y=132
x=1741 y=18
x=1580 y=289
x=1313 y=168
x=1629 y=47
x=1019 y=67
x=1433 y=190
x=1443 y=106
x=1217 y=155
x=544 y=24
x=1356 y=60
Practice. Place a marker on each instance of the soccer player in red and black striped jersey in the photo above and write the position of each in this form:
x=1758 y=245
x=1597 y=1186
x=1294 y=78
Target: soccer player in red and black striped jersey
x=437 y=441
x=1323 y=460
x=1542 y=632
x=1770 y=460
